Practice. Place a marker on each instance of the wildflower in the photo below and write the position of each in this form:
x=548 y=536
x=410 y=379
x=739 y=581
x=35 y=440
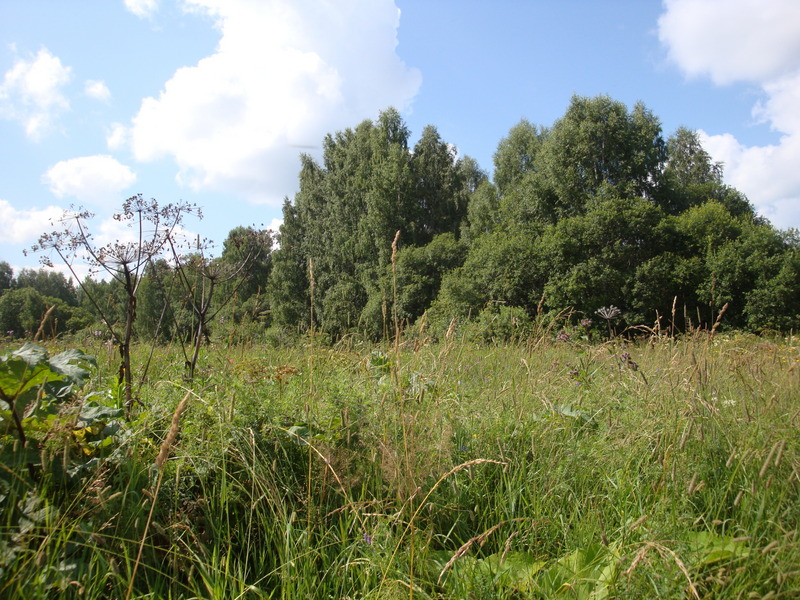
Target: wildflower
x=586 y=323
x=609 y=312
x=626 y=359
x=10 y=333
x=367 y=538
x=562 y=336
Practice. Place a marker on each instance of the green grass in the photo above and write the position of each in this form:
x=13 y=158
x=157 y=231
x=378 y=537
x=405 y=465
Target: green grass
x=665 y=468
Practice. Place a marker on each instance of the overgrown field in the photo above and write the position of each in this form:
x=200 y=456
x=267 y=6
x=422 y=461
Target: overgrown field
x=663 y=468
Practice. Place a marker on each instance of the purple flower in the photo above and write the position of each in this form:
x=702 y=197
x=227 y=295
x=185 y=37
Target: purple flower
x=367 y=538
x=625 y=357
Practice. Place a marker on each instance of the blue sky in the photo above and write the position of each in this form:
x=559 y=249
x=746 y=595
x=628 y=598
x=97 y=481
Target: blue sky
x=211 y=101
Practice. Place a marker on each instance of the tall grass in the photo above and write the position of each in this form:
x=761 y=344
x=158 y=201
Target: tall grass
x=664 y=468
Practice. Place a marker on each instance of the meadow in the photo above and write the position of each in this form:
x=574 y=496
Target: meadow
x=548 y=467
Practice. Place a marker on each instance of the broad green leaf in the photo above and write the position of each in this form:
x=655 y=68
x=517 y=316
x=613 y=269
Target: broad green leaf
x=30 y=353
x=73 y=364
x=94 y=411
x=513 y=570
x=712 y=548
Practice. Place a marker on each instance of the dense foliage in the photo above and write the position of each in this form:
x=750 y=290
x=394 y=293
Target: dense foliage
x=338 y=232
x=598 y=209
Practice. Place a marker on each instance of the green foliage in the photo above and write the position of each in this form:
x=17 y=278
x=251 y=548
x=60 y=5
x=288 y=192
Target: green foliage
x=31 y=380
x=419 y=273
x=599 y=142
x=6 y=276
x=35 y=387
x=340 y=227
x=599 y=210
x=516 y=154
x=23 y=311
x=250 y=250
x=498 y=323
x=48 y=283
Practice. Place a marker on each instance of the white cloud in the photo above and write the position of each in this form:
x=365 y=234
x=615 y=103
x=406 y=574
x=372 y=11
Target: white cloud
x=97 y=178
x=23 y=226
x=117 y=136
x=31 y=92
x=285 y=73
x=142 y=8
x=756 y=42
x=97 y=90
x=734 y=40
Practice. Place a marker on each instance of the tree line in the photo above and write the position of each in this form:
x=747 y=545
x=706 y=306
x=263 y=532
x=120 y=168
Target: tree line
x=598 y=210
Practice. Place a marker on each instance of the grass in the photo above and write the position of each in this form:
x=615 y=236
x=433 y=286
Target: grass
x=663 y=468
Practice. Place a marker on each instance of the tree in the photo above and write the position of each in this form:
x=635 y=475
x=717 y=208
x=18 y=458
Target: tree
x=6 y=276
x=250 y=251
x=347 y=212
x=48 y=283
x=482 y=211
x=516 y=154
x=688 y=163
x=289 y=290
x=419 y=273
x=439 y=189
x=157 y=301
x=597 y=143
x=692 y=178
x=774 y=303
x=21 y=312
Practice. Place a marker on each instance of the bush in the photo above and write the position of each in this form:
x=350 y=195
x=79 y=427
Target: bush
x=501 y=323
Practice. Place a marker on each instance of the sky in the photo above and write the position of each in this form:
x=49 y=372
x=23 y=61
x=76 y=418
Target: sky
x=211 y=102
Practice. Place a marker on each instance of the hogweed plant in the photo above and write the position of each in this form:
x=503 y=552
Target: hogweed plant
x=609 y=313
x=151 y=227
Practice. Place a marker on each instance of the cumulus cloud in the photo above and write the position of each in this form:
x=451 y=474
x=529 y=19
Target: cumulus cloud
x=285 y=73
x=97 y=90
x=755 y=42
x=31 y=92
x=95 y=179
x=116 y=136
x=142 y=8
x=22 y=226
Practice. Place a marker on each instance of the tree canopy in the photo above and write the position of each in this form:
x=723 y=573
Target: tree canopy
x=596 y=209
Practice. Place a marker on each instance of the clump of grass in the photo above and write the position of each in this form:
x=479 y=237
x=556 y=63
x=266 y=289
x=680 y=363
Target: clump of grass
x=161 y=459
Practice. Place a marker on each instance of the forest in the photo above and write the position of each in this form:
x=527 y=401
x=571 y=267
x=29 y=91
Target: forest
x=599 y=209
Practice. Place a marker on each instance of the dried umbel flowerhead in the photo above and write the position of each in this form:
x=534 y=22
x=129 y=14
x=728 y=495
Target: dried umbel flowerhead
x=608 y=312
